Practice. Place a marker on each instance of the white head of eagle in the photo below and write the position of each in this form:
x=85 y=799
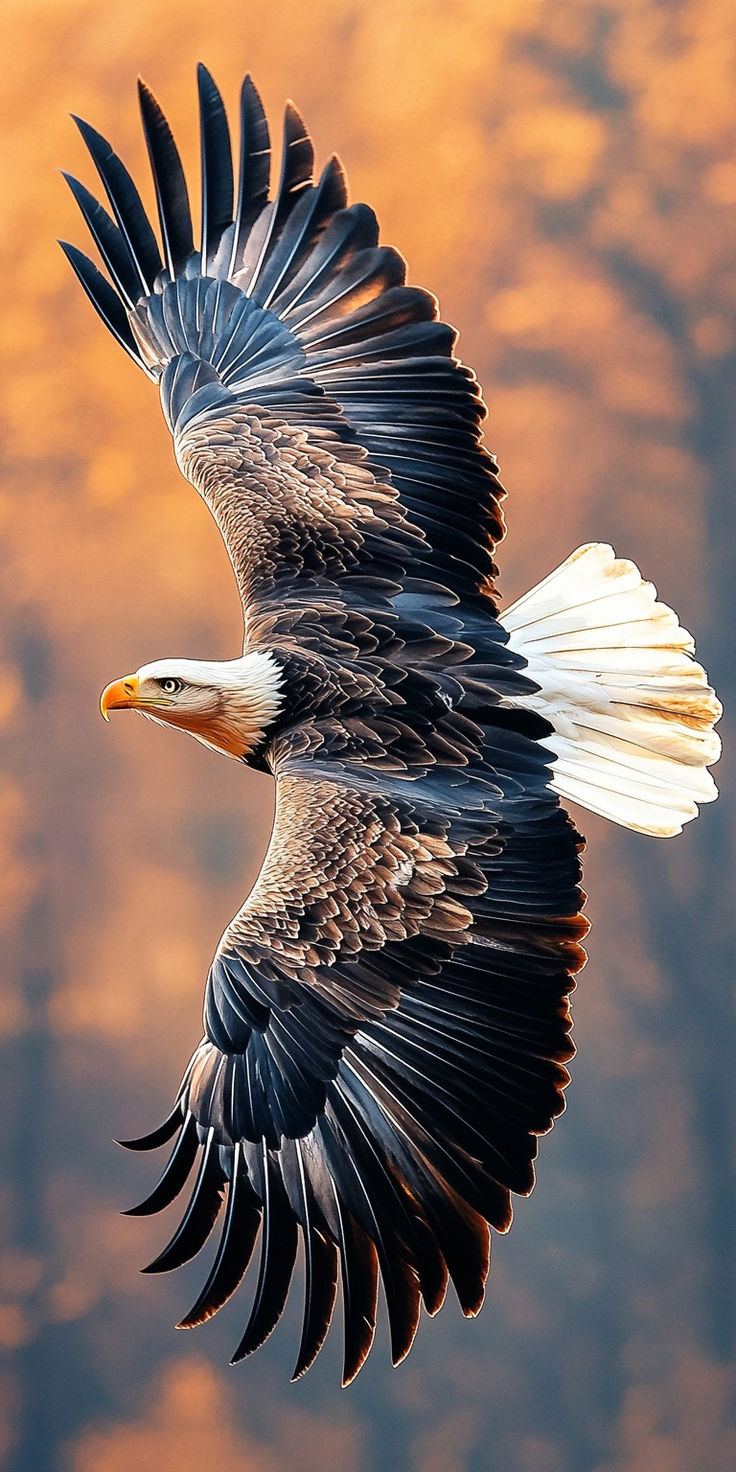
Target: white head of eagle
x=227 y=704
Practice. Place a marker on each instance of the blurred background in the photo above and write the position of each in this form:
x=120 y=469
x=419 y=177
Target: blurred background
x=563 y=176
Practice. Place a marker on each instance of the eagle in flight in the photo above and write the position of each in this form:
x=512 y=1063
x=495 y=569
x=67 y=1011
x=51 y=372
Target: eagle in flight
x=386 y=1020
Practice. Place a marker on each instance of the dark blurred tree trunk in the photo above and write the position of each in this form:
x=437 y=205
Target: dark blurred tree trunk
x=696 y=942
x=30 y=1063
x=699 y=946
x=36 y=1434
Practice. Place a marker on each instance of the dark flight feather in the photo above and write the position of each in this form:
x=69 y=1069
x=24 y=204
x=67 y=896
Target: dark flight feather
x=104 y=300
x=175 y=1174
x=320 y=1264
x=297 y=159
x=200 y=1215
x=278 y=1254
x=159 y=1136
x=110 y=242
x=255 y=168
x=217 y=168
x=172 y=197
x=126 y=205
x=359 y=1279
x=241 y=1226
x=307 y=221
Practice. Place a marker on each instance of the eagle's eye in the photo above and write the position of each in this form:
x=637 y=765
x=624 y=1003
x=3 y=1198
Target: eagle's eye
x=170 y=687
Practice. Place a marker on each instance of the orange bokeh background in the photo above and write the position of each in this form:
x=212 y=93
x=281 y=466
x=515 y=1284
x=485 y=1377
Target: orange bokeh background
x=563 y=176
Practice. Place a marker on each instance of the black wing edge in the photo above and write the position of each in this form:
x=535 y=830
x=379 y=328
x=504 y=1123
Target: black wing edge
x=105 y=301
x=128 y=245
x=428 y=1126
x=366 y=340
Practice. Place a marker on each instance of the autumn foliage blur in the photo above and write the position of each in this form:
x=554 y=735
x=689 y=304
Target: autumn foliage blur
x=564 y=177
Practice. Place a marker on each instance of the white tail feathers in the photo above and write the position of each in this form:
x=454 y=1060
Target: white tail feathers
x=632 y=711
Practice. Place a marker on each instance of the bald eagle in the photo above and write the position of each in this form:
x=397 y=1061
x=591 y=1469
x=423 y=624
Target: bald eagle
x=386 y=1019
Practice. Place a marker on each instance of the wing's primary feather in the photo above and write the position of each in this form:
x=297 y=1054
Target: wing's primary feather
x=110 y=242
x=217 y=168
x=255 y=169
x=386 y=1019
x=126 y=204
x=106 y=302
x=200 y=1215
x=172 y=196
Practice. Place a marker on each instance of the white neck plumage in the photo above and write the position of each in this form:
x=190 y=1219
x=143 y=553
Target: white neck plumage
x=228 y=705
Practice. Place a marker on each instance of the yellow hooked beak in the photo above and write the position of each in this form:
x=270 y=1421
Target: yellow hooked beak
x=120 y=695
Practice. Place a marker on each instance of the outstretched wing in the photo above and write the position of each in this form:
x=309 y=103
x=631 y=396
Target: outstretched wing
x=313 y=396
x=386 y=1033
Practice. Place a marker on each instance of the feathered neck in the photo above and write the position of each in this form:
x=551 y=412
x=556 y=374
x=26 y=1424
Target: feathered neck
x=232 y=702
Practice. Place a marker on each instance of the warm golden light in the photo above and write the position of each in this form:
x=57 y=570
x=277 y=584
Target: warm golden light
x=562 y=176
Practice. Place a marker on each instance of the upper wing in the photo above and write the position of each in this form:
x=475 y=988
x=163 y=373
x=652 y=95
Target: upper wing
x=312 y=395
x=387 y=1027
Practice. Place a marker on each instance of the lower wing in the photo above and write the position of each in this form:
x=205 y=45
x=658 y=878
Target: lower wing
x=387 y=1029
